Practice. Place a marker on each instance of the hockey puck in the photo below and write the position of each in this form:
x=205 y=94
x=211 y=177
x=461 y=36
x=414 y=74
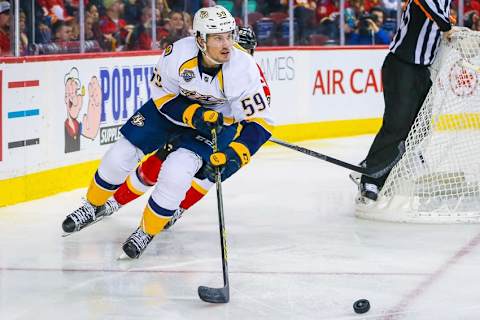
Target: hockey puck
x=361 y=306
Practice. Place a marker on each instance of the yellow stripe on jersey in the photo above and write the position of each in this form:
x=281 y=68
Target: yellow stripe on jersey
x=97 y=195
x=239 y=130
x=132 y=188
x=161 y=101
x=220 y=80
x=239 y=47
x=199 y=188
x=228 y=121
x=153 y=223
x=189 y=64
x=187 y=116
x=263 y=123
x=242 y=151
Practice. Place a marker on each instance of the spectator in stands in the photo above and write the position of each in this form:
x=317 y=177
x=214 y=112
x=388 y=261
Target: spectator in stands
x=390 y=7
x=23 y=33
x=368 y=5
x=177 y=28
x=133 y=11
x=5 y=49
x=328 y=27
x=92 y=11
x=472 y=20
x=75 y=29
x=62 y=32
x=369 y=29
x=325 y=8
x=471 y=5
x=162 y=10
x=141 y=37
x=354 y=9
x=187 y=18
x=304 y=13
x=54 y=9
x=113 y=27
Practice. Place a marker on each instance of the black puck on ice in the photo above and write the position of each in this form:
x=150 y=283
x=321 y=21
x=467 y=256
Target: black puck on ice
x=361 y=306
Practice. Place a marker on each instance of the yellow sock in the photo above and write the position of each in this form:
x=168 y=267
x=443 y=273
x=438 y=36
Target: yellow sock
x=152 y=223
x=97 y=195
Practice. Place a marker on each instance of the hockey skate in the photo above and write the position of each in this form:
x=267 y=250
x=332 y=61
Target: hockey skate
x=176 y=215
x=87 y=215
x=136 y=244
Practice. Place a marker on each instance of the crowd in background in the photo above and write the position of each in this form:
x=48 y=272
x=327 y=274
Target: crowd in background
x=52 y=26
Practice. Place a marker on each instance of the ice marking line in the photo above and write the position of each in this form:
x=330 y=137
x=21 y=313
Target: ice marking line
x=151 y=270
x=401 y=306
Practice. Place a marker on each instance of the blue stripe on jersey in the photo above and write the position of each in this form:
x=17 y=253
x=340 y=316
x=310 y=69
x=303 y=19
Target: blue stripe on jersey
x=253 y=136
x=104 y=184
x=174 y=108
x=159 y=210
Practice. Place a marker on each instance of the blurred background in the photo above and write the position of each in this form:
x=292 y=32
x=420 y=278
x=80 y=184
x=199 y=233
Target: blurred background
x=36 y=27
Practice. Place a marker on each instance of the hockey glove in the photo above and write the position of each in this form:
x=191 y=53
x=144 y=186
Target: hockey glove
x=203 y=119
x=229 y=160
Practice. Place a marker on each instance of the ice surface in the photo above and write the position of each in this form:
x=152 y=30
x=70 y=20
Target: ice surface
x=296 y=251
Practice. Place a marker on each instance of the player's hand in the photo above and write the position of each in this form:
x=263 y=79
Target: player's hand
x=448 y=35
x=228 y=162
x=204 y=120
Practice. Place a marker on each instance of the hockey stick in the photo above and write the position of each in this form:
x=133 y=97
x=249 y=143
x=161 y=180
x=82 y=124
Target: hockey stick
x=373 y=172
x=218 y=295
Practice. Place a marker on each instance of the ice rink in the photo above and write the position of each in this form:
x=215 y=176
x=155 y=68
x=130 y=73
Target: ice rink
x=296 y=251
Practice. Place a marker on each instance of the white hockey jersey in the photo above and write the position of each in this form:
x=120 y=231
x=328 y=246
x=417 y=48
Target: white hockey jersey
x=236 y=91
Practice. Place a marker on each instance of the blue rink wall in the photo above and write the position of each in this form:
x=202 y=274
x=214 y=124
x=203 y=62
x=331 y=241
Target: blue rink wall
x=59 y=114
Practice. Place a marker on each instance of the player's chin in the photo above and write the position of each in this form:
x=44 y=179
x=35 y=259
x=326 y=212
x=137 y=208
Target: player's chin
x=224 y=57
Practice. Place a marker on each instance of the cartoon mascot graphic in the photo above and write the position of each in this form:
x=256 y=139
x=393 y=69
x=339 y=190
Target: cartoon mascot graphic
x=74 y=93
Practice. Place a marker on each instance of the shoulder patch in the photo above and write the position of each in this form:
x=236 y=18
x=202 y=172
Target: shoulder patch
x=168 y=50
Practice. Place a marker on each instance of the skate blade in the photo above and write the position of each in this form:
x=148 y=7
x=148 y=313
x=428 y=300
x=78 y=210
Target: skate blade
x=66 y=234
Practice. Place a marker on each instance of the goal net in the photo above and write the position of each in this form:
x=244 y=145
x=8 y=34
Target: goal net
x=437 y=179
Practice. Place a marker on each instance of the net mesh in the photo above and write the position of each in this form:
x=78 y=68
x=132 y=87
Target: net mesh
x=437 y=179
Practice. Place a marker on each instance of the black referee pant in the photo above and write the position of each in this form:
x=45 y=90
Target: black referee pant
x=405 y=87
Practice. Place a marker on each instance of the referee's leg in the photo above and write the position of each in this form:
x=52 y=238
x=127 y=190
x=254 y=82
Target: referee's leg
x=405 y=88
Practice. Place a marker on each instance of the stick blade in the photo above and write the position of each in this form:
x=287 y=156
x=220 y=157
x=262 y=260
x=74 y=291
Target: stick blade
x=214 y=295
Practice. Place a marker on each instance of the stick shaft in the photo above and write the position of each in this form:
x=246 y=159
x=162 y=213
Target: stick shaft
x=221 y=220
x=319 y=155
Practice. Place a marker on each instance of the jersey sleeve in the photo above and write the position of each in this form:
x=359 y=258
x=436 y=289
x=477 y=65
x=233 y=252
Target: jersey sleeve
x=165 y=88
x=434 y=10
x=252 y=109
x=164 y=83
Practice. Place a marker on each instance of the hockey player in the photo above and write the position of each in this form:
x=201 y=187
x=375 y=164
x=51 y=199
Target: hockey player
x=207 y=70
x=146 y=173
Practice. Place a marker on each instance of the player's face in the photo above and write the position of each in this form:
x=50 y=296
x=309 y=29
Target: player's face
x=219 y=46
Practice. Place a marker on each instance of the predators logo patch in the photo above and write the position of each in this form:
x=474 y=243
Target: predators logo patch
x=138 y=120
x=203 y=14
x=168 y=50
x=188 y=75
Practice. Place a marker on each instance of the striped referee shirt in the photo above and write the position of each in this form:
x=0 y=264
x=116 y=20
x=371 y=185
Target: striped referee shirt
x=418 y=37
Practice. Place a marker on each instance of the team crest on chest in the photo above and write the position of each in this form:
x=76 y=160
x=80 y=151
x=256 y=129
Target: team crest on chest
x=188 y=75
x=138 y=120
